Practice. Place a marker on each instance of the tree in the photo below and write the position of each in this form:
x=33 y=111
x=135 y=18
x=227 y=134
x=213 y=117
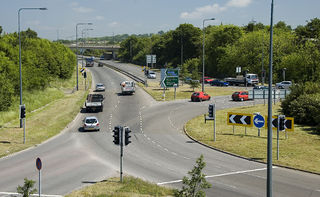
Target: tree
x=27 y=188
x=218 y=38
x=197 y=182
x=283 y=25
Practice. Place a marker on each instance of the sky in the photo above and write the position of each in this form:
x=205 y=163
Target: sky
x=112 y=17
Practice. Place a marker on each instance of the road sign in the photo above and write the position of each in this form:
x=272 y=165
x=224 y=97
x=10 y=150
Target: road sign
x=239 y=119
x=38 y=163
x=258 y=121
x=169 y=77
x=151 y=59
x=170 y=81
x=288 y=123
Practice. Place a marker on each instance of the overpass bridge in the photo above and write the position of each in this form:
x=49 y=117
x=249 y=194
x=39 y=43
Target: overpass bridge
x=108 y=48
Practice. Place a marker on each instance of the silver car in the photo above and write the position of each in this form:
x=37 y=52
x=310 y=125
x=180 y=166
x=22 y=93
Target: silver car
x=284 y=85
x=100 y=87
x=151 y=75
x=91 y=123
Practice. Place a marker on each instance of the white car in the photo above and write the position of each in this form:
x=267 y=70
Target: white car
x=284 y=85
x=151 y=75
x=91 y=123
x=100 y=87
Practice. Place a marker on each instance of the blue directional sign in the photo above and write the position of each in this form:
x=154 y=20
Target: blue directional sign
x=258 y=121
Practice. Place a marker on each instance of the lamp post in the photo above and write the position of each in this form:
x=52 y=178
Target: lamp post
x=83 y=38
x=269 y=121
x=284 y=73
x=20 y=73
x=77 y=50
x=203 y=50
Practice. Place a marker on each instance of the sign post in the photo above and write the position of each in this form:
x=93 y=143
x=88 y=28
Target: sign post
x=39 y=166
x=258 y=121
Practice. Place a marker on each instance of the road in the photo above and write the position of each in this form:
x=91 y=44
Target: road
x=160 y=152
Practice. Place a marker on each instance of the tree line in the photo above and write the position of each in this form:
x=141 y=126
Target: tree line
x=42 y=62
x=228 y=46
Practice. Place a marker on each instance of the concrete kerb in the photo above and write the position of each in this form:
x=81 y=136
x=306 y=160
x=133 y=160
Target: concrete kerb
x=242 y=157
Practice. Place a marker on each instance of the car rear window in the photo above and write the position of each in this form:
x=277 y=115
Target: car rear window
x=91 y=120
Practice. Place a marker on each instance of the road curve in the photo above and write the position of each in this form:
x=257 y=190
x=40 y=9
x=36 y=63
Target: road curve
x=159 y=152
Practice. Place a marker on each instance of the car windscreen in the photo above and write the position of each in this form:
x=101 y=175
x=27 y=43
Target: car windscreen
x=90 y=121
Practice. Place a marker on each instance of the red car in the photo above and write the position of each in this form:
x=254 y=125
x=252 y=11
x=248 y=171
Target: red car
x=207 y=79
x=200 y=96
x=240 y=96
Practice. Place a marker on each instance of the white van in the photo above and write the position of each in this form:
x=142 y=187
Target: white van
x=128 y=87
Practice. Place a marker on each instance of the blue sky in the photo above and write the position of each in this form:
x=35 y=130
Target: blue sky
x=146 y=16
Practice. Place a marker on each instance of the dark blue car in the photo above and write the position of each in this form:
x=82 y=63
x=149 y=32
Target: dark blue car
x=219 y=83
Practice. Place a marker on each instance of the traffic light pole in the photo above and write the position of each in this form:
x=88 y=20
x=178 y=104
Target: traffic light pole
x=24 y=130
x=121 y=152
x=121 y=137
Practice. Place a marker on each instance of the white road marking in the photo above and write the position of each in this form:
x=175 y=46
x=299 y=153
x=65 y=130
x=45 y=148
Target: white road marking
x=45 y=195
x=219 y=175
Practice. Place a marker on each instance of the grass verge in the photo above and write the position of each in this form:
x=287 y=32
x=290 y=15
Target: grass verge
x=130 y=187
x=301 y=150
x=48 y=112
x=184 y=91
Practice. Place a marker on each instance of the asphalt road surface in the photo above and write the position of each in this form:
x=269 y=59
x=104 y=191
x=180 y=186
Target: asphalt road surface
x=160 y=152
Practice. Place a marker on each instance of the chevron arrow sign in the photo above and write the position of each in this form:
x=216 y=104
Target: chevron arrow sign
x=239 y=119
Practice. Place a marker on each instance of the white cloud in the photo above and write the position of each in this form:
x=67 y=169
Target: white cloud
x=81 y=9
x=238 y=3
x=207 y=10
x=77 y=8
x=202 y=11
x=99 y=18
x=112 y=24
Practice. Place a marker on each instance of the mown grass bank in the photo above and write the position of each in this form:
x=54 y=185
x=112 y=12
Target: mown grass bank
x=184 y=91
x=130 y=187
x=48 y=113
x=301 y=150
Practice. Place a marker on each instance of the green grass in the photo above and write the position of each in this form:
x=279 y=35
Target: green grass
x=301 y=150
x=48 y=113
x=131 y=186
x=184 y=91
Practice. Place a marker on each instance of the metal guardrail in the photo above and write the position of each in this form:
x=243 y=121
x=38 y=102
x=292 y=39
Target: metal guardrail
x=135 y=78
x=263 y=94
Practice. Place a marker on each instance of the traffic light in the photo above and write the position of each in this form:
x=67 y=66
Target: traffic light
x=127 y=136
x=282 y=121
x=211 y=110
x=22 y=111
x=116 y=135
x=85 y=74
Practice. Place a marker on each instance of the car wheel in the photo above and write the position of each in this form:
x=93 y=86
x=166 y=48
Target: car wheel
x=200 y=99
x=209 y=98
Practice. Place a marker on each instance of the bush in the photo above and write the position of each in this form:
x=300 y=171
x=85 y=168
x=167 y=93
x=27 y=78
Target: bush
x=303 y=104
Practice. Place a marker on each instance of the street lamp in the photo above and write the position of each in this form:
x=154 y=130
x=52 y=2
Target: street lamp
x=203 y=50
x=83 y=38
x=284 y=73
x=77 y=50
x=20 y=52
